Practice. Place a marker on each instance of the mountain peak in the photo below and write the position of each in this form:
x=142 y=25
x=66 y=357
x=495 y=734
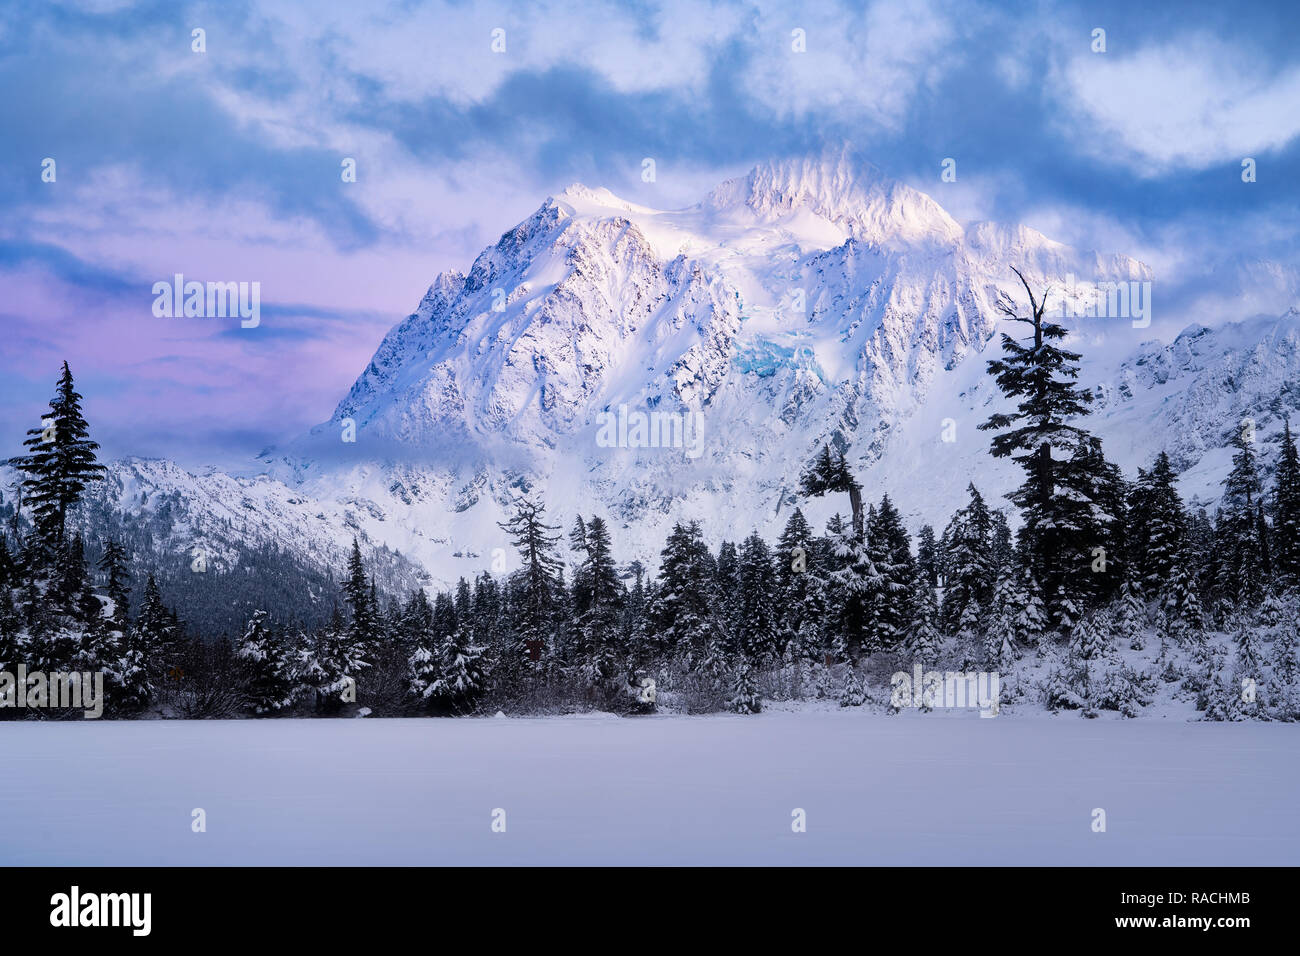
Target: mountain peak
x=840 y=186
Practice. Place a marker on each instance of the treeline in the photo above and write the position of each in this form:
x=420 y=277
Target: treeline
x=1098 y=566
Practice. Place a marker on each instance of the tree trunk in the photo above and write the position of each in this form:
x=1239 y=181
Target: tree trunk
x=855 y=499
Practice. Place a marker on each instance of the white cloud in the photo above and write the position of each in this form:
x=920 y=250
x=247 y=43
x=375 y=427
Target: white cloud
x=1192 y=104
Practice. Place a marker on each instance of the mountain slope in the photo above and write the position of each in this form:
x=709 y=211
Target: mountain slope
x=812 y=301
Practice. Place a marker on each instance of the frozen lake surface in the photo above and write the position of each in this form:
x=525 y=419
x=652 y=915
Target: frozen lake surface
x=913 y=789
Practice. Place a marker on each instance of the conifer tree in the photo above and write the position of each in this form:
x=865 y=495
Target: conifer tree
x=1286 y=513
x=927 y=555
x=333 y=665
x=271 y=680
x=1161 y=535
x=1086 y=642
x=534 y=585
x=364 y=627
x=853 y=694
x=830 y=473
x=1241 y=557
x=1009 y=602
x=417 y=619
x=1033 y=622
x=744 y=697
x=891 y=555
x=156 y=633
x=1286 y=671
x=148 y=651
x=1129 y=624
x=113 y=563
x=967 y=559
x=60 y=463
x=599 y=655
x=757 y=623
x=681 y=613
x=1058 y=458
x=801 y=590
x=635 y=625
x=923 y=636
x=424 y=669
x=726 y=587
x=463 y=679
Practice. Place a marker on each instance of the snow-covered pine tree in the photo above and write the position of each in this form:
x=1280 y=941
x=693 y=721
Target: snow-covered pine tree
x=1000 y=638
x=1130 y=623
x=1033 y=621
x=927 y=555
x=744 y=697
x=1241 y=564
x=855 y=586
x=425 y=670
x=1123 y=689
x=60 y=463
x=682 y=612
x=890 y=548
x=801 y=590
x=757 y=599
x=1066 y=685
x=113 y=562
x=1161 y=537
x=726 y=585
x=417 y=620
x=1286 y=513
x=634 y=623
x=533 y=586
x=853 y=695
x=270 y=667
x=462 y=679
x=966 y=557
x=331 y=666
x=488 y=618
x=364 y=625
x=831 y=473
x=147 y=651
x=1249 y=658
x=599 y=654
x=1057 y=534
x=1104 y=523
x=1286 y=671
x=1223 y=693
x=923 y=636
x=970 y=631
x=1183 y=612
x=1085 y=642
x=155 y=632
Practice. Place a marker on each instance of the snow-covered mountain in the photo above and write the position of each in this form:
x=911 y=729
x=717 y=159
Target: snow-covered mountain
x=813 y=300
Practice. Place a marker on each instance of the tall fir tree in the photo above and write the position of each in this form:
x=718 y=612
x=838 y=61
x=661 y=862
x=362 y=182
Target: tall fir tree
x=1058 y=457
x=599 y=652
x=966 y=556
x=1286 y=513
x=927 y=555
x=113 y=563
x=757 y=621
x=891 y=553
x=60 y=463
x=1159 y=527
x=534 y=588
x=682 y=612
x=364 y=627
x=1241 y=568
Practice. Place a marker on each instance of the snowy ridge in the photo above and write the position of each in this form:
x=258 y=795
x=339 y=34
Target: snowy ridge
x=813 y=300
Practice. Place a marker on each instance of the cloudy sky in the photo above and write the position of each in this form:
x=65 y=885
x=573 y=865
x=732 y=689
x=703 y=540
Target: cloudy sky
x=225 y=164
